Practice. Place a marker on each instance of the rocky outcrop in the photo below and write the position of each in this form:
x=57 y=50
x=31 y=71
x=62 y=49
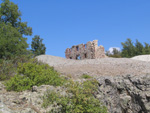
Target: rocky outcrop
x=120 y=94
x=29 y=101
x=125 y=94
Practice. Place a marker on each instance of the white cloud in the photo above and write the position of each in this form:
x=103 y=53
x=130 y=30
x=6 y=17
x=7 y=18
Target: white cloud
x=111 y=49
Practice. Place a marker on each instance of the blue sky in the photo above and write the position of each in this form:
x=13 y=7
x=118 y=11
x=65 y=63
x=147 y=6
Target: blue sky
x=63 y=23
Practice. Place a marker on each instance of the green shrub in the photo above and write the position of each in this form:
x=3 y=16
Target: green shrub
x=8 y=68
x=33 y=73
x=86 y=76
x=115 y=56
x=80 y=99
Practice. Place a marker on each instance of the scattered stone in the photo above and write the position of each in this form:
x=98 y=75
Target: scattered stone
x=34 y=89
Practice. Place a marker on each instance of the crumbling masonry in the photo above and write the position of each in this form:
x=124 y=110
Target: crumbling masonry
x=91 y=50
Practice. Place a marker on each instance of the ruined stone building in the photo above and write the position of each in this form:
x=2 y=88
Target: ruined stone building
x=90 y=50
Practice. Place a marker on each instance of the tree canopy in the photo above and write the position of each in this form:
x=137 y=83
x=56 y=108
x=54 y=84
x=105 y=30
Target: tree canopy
x=10 y=14
x=11 y=42
x=131 y=49
x=12 y=31
x=115 y=53
x=38 y=47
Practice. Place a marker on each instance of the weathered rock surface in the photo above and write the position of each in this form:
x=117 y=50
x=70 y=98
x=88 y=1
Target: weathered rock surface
x=121 y=94
x=125 y=94
x=25 y=102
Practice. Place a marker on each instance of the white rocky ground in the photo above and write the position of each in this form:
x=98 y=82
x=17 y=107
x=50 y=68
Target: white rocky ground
x=98 y=67
x=142 y=58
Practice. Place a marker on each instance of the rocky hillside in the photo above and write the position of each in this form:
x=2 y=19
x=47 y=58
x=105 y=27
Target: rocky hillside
x=124 y=85
x=121 y=94
x=125 y=94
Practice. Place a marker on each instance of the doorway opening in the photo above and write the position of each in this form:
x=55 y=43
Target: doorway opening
x=78 y=57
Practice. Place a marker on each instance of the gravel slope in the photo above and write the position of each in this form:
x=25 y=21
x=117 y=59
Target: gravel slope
x=97 y=67
x=142 y=58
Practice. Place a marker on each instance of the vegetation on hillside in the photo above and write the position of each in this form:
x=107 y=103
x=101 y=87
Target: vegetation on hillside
x=37 y=46
x=115 y=53
x=33 y=73
x=79 y=99
x=85 y=76
x=130 y=49
x=8 y=68
x=13 y=31
x=13 y=43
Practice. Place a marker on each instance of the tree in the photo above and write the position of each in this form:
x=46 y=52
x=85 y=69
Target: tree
x=11 y=42
x=139 y=48
x=128 y=49
x=12 y=30
x=9 y=14
x=37 y=46
x=115 y=53
x=146 y=48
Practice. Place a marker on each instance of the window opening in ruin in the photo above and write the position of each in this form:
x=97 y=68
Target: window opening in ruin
x=77 y=48
x=85 y=46
x=78 y=57
x=85 y=55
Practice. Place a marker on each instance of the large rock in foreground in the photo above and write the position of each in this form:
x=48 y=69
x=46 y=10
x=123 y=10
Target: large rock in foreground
x=125 y=94
x=120 y=94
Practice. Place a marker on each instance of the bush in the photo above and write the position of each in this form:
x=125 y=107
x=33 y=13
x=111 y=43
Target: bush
x=8 y=68
x=80 y=100
x=115 y=53
x=86 y=76
x=33 y=73
x=115 y=56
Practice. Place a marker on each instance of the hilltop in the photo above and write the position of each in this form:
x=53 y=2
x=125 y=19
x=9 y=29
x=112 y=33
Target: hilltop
x=98 y=67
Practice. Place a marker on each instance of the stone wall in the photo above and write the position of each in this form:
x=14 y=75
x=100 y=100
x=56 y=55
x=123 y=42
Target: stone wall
x=90 y=50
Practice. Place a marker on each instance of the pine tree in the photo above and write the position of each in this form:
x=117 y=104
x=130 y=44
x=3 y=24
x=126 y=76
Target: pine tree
x=128 y=49
x=139 y=48
x=12 y=30
x=10 y=14
x=37 y=46
x=146 y=48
